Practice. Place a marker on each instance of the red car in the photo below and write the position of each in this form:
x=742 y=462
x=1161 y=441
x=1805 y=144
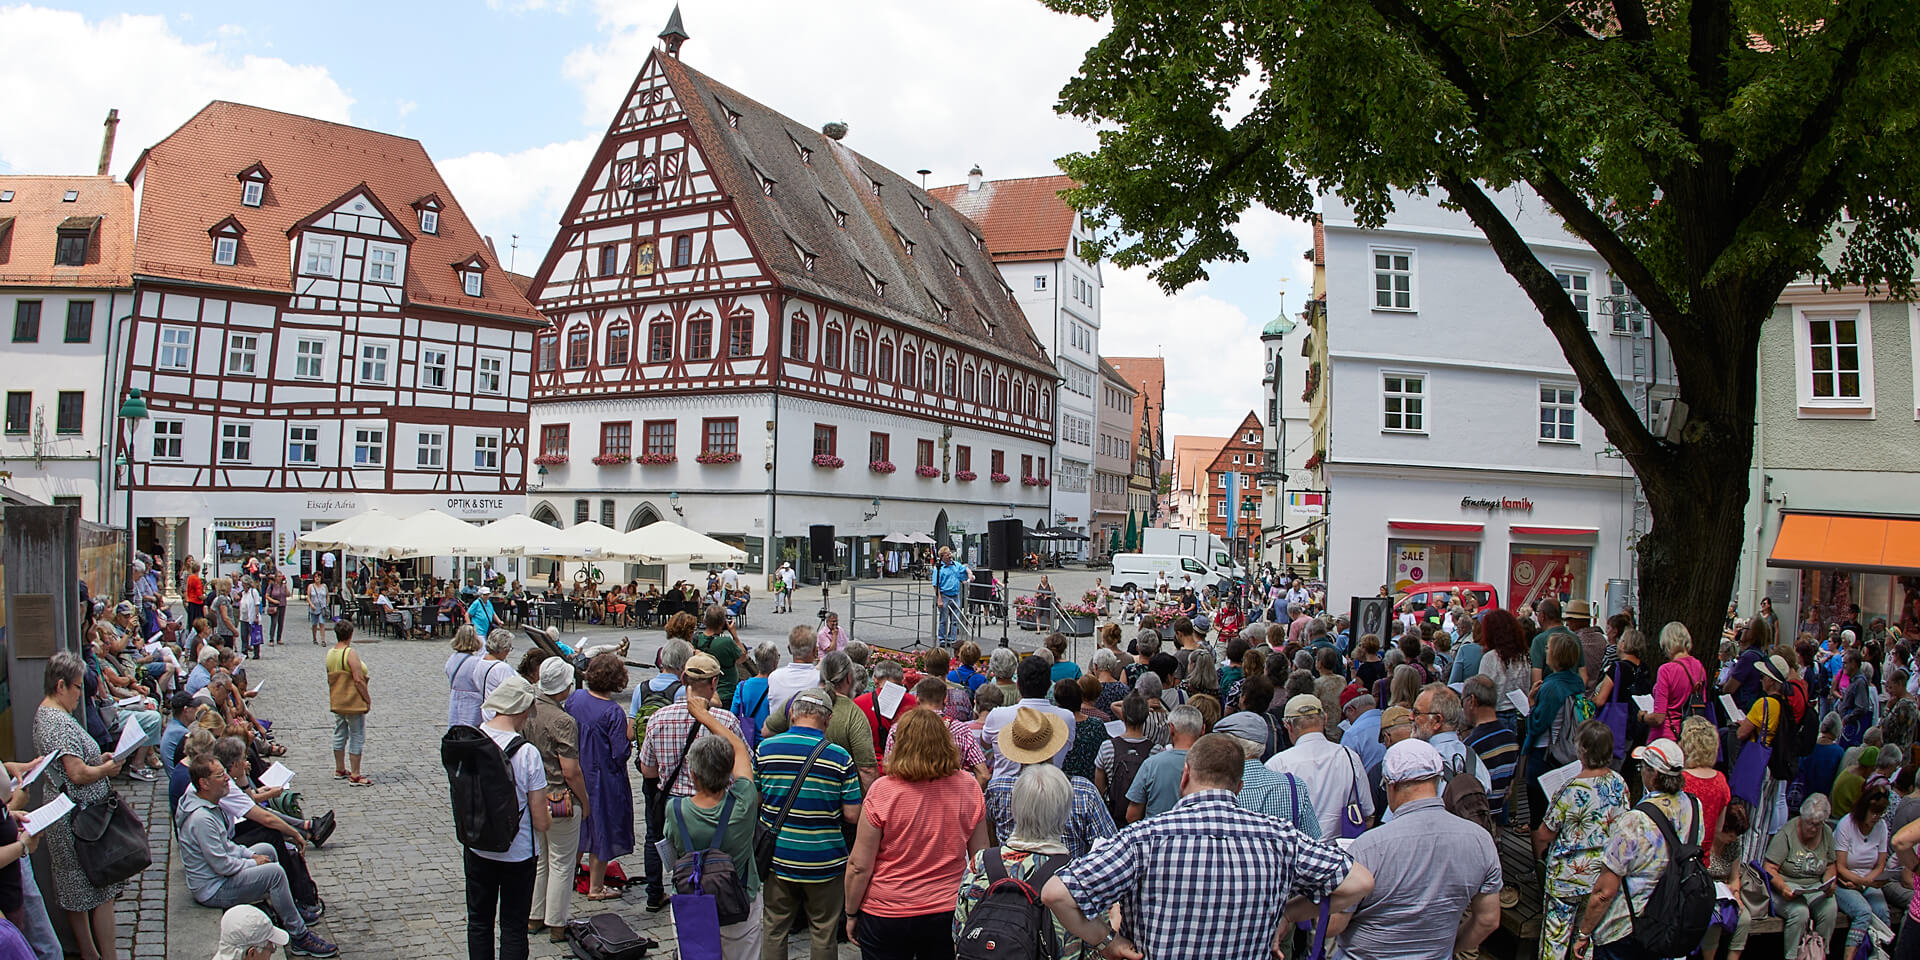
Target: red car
x=1441 y=593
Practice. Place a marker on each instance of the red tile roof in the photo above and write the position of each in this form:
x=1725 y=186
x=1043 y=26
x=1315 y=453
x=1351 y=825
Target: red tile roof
x=189 y=181
x=30 y=224
x=1020 y=219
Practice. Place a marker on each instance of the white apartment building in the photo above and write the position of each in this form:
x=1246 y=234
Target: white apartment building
x=66 y=248
x=1457 y=449
x=1034 y=238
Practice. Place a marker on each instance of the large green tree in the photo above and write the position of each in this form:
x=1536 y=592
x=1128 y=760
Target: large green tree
x=1706 y=150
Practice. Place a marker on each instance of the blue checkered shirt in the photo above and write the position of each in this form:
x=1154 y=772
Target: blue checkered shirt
x=1278 y=795
x=1205 y=879
x=1089 y=823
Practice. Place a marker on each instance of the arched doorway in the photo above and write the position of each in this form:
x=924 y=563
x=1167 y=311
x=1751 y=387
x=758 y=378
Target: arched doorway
x=643 y=515
x=538 y=569
x=546 y=514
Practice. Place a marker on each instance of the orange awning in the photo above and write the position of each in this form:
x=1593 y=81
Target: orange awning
x=1873 y=544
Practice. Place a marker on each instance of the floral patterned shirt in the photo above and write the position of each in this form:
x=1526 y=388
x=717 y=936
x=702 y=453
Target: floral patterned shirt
x=1583 y=814
x=1637 y=852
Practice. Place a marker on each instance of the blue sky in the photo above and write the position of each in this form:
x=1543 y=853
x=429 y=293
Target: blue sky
x=509 y=97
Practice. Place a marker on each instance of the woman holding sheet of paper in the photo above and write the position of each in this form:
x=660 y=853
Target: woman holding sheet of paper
x=81 y=773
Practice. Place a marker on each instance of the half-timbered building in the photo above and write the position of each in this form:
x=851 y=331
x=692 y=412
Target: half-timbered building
x=319 y=330
x=756 y=329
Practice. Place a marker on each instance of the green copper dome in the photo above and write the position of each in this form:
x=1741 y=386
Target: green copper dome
x=1279 y=326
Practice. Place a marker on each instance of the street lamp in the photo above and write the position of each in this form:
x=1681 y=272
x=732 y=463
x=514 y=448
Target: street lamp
x=673 y=500
x=870 y=514
x=132 y=411
x=541 y=471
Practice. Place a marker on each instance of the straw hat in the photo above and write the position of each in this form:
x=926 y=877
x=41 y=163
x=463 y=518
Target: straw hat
x=1033 y=736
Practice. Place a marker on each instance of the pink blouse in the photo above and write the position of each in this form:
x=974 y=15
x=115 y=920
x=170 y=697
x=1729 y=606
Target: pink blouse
x=829 y=640
x=1675 y=680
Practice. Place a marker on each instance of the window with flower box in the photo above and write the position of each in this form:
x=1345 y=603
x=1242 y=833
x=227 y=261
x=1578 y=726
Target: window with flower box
x=720 y=435
x=554 y=440
x=660 y=436
x=616 y=439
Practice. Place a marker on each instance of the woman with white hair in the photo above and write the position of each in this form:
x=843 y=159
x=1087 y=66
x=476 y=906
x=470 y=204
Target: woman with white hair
x=1001 y=664
x=1801 y=871
x=1042 y=801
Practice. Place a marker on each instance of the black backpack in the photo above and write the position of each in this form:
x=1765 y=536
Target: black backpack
x=486 y=797
x=1127 y=758
x=1681 y=904
x=1010 y=922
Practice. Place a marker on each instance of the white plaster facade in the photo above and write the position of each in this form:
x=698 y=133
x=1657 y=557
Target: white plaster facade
x=1061 y=299
x=1445 y=388
x=51 y=455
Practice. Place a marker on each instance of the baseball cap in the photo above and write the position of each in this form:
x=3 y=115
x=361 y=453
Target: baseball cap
x=1411 y=759
x=243 y=927
x=1304 y=705
x=700 y=666
x=125 y=606
x=1663 y=755
x=1394 y=716
x=1246 y=725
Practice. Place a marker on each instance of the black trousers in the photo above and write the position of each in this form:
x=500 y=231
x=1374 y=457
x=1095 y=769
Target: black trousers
x=299 y=881
x=655 y=805
x=497 y=889
x=926 y=937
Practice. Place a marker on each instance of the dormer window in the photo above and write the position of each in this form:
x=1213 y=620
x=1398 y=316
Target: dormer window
x=71 y=250
x=253 y=184
x=6 y=196
x=879 y=286
x=226 y=241
x=875 y=184
x=946 y=312
x=839 y=215
x=766 y=182
x=926 y=212
x=470 y=282
x=429 y=209
x=806 y=155
x=70 y=196
x=733 y=116
x=904 y=241
x=958 y=270
x=806 y=257
x=470 y=270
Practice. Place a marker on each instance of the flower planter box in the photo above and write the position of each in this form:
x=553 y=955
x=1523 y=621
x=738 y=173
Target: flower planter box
x=1074 y=625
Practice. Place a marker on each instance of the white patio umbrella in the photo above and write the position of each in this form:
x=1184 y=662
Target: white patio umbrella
x=334 y=536
x=523 y=536
x=667 y=542
x=921 y=539
x=428 y=533
x=593 y=541
x=897 y=537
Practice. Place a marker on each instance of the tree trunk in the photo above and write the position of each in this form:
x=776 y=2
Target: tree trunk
x=1690 y=556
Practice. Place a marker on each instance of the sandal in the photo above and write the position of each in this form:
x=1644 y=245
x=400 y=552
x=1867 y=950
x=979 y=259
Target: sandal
x=356 y=780
x=341 y=774
x=604 y=894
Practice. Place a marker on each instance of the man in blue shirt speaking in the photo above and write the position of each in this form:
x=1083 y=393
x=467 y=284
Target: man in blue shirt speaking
x=949 y=578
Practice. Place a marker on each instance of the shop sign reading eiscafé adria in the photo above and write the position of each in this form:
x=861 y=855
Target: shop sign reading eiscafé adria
x=1506 y=504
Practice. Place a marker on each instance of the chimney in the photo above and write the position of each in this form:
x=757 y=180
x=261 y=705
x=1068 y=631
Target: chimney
x=973 y=179
x=490 y=248
x=106 y=142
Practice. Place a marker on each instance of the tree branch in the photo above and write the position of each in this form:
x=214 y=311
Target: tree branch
x=1600 y=391
x=1591 y=227
x=1787 y=164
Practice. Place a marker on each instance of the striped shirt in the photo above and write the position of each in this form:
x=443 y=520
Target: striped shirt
x=811 y=847
x=1499 y=749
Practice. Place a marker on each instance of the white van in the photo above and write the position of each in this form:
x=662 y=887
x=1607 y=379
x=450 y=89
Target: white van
x=1139 y=570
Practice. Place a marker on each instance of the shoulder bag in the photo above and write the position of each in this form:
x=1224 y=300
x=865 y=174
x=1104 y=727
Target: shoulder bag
x=765 y=836
x=109 y=841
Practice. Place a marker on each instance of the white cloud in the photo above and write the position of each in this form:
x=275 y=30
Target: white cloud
x=519 y=192
x=403 y=106
x=1214 y=364
x=231 y=30
x=139 y=65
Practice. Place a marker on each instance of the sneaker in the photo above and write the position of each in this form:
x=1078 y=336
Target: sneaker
x=309 y=944
x=322 y=829
x=311 y=915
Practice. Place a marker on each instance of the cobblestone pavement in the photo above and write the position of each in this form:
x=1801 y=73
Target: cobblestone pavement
x=140 y=915
x=391 y=875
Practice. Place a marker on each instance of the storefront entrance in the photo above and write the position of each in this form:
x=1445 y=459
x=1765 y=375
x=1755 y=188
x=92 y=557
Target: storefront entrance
x=1536 y=573
x=235 y=541
x=1414 y=562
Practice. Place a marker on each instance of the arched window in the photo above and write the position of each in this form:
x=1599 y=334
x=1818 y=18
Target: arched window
x=883 y=365
x=950 y=383
x=928 y=372
x=909 y=367
x=861 y=352
x=986 y=387
x=799 y=335
x=1033 y=401
x=1001 y=397
x=1046 y=402
x=966 y=383
x=619 y=343
x=700 y=336
x=660 y=340
x=830 y=347
x=579 y=345
x=547 y=352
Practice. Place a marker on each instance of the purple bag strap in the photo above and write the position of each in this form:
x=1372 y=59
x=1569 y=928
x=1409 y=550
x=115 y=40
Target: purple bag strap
x=1320 y=931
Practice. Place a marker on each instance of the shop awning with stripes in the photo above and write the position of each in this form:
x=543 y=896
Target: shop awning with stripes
x=1435 y=526
x=1871 y=543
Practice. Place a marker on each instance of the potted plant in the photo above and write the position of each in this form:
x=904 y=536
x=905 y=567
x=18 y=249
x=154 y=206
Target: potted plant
x=712 y=456
x=1025 y=613
x=1078 y=619
x=656 y=459
x=999 y=477
x=611 y=459
x=550 y=459
x=966 y=476
x=928 y=471
x=828 y=461
x=882 y=466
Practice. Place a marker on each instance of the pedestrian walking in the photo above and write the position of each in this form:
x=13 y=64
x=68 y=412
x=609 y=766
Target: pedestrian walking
x=350 y=699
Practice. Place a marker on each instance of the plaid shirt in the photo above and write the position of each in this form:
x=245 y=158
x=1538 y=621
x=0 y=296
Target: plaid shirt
x=1089 y=823
x=667 y=732
x=1205 y=879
